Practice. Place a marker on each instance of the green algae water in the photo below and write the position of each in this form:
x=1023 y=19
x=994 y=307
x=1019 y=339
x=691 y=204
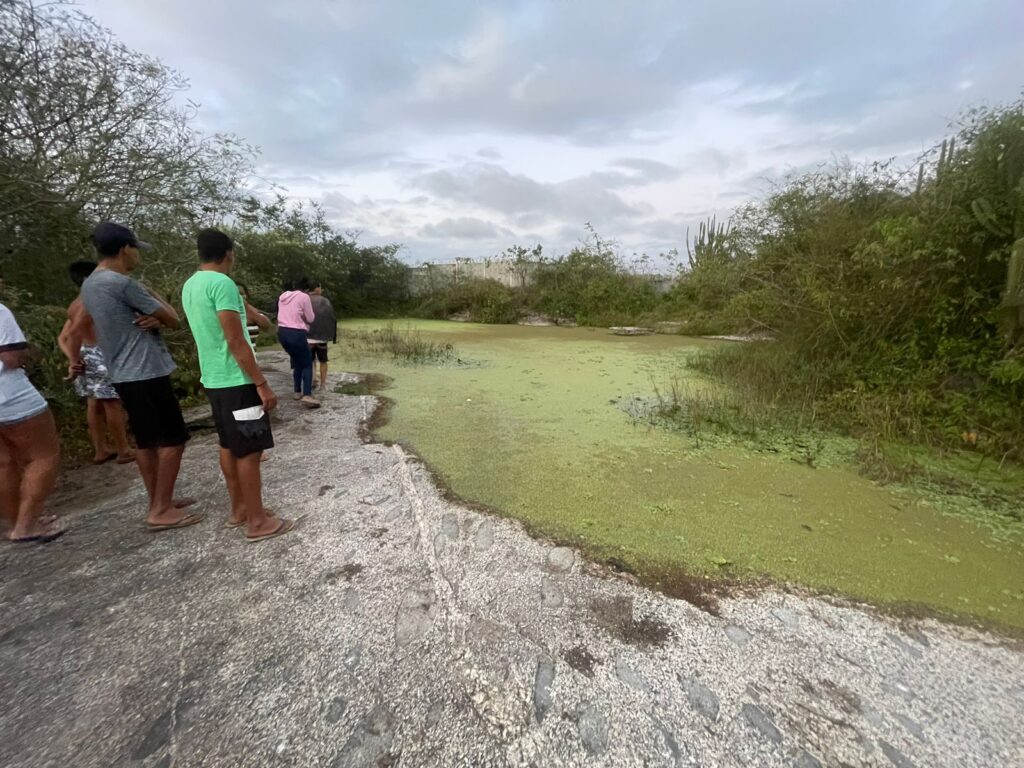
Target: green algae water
x=531 y=422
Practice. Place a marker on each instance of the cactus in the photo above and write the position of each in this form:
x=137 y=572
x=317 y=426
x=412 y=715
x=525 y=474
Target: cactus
x=945 y=158
x=1006 y=223
x=986 y=216
x=709 y=242
x=1014 y=295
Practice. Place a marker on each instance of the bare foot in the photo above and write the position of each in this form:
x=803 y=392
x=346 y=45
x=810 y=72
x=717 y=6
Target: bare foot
x=38 y=533
x=236 y=520
x=126 y=458
x=270 y=528
x=169 y=516
x=184 y=501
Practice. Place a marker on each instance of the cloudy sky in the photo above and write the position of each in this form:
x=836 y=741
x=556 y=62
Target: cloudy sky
x=461 y=127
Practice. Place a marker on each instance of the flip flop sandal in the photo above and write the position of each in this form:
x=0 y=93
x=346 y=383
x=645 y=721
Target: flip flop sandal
x=230 y=524
x=282 y=529
x=126 y=459
x=185 y=522
x=43 y=538
x=104 y=460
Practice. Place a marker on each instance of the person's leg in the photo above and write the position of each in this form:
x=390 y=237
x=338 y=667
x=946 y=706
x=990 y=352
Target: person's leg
x=97 y=424
x=148 y=461
x=162 y=510
x=10 y=484
x=307 y=379
x=302 y=360
x=258 y=521
x=114 y=414
x=287 y=337
x=228 y=466
x=323 y=375
x=156 y=420
x=37 y=448
x=242 y=444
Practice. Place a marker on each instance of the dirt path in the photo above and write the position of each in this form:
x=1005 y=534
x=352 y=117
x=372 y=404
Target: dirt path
x=395 y=628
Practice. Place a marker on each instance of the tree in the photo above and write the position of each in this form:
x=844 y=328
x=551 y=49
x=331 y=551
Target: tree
x=521 y=262
x=91 y=130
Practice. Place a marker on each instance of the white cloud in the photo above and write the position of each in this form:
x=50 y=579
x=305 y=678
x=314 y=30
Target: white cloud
x=456 y=124
x=465 y=228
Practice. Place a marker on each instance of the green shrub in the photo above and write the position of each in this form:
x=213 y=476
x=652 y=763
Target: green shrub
x=886 y=299
x=402 y=344
x=480 y=300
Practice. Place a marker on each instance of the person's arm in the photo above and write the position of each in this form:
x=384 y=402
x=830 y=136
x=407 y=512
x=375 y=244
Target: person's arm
x=334 y=320
x=70 y=339
x=241 y=350
x=154 y=311
x=307 y=309
x=14 y=358
x=64 y=338
x=13 y=345
x=255 y=317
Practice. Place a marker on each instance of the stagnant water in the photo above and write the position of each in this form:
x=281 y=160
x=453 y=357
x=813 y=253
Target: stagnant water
x=532 y=424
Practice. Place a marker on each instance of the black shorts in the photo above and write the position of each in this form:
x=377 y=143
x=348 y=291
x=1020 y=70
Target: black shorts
x=242 y=438
x=153 y=412
x=319 y=351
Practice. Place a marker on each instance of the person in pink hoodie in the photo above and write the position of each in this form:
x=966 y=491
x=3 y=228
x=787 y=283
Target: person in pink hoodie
x=294 y=314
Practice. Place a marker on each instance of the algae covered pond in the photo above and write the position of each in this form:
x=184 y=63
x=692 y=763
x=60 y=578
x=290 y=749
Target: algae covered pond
x=535 y=423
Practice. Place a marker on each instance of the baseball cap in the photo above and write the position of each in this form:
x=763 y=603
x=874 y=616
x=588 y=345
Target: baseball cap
x=109 y=237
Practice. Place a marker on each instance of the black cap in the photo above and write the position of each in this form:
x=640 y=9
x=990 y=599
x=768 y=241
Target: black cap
x=109 y=237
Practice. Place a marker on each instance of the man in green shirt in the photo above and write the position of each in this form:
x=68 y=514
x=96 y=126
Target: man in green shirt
x=238 y=391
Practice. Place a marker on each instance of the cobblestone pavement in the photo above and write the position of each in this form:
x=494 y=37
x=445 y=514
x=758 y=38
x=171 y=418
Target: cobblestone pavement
x=395 y=628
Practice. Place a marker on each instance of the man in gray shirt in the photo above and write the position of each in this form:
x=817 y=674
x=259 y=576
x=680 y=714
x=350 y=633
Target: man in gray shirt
x=127 y=318
x=322 y=330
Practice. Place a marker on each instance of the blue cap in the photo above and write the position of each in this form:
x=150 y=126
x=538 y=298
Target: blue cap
x=109 y=237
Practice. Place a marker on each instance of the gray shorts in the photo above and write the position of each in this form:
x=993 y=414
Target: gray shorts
x=95 y=382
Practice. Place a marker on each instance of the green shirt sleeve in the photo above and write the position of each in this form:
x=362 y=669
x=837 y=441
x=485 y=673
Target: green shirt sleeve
x=225 y=296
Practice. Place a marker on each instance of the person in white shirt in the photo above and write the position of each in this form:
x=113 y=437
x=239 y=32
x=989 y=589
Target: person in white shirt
x=29 y=447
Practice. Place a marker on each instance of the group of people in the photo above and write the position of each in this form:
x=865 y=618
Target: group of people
x=118 y=359
x=305 y=324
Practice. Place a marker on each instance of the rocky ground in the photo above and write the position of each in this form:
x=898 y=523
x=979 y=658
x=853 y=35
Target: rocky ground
x=395 y=628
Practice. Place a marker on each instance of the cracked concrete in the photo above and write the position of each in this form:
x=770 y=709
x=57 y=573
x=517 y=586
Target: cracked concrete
x=397 y=628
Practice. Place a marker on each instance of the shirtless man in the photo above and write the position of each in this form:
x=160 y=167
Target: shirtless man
x=103 y=406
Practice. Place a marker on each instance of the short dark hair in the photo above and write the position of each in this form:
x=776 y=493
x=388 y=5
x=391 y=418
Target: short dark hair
x=213 y=246
x=80 y=270
x=300 y=283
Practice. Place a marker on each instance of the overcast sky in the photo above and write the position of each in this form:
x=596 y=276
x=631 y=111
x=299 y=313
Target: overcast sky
x=459 y=128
